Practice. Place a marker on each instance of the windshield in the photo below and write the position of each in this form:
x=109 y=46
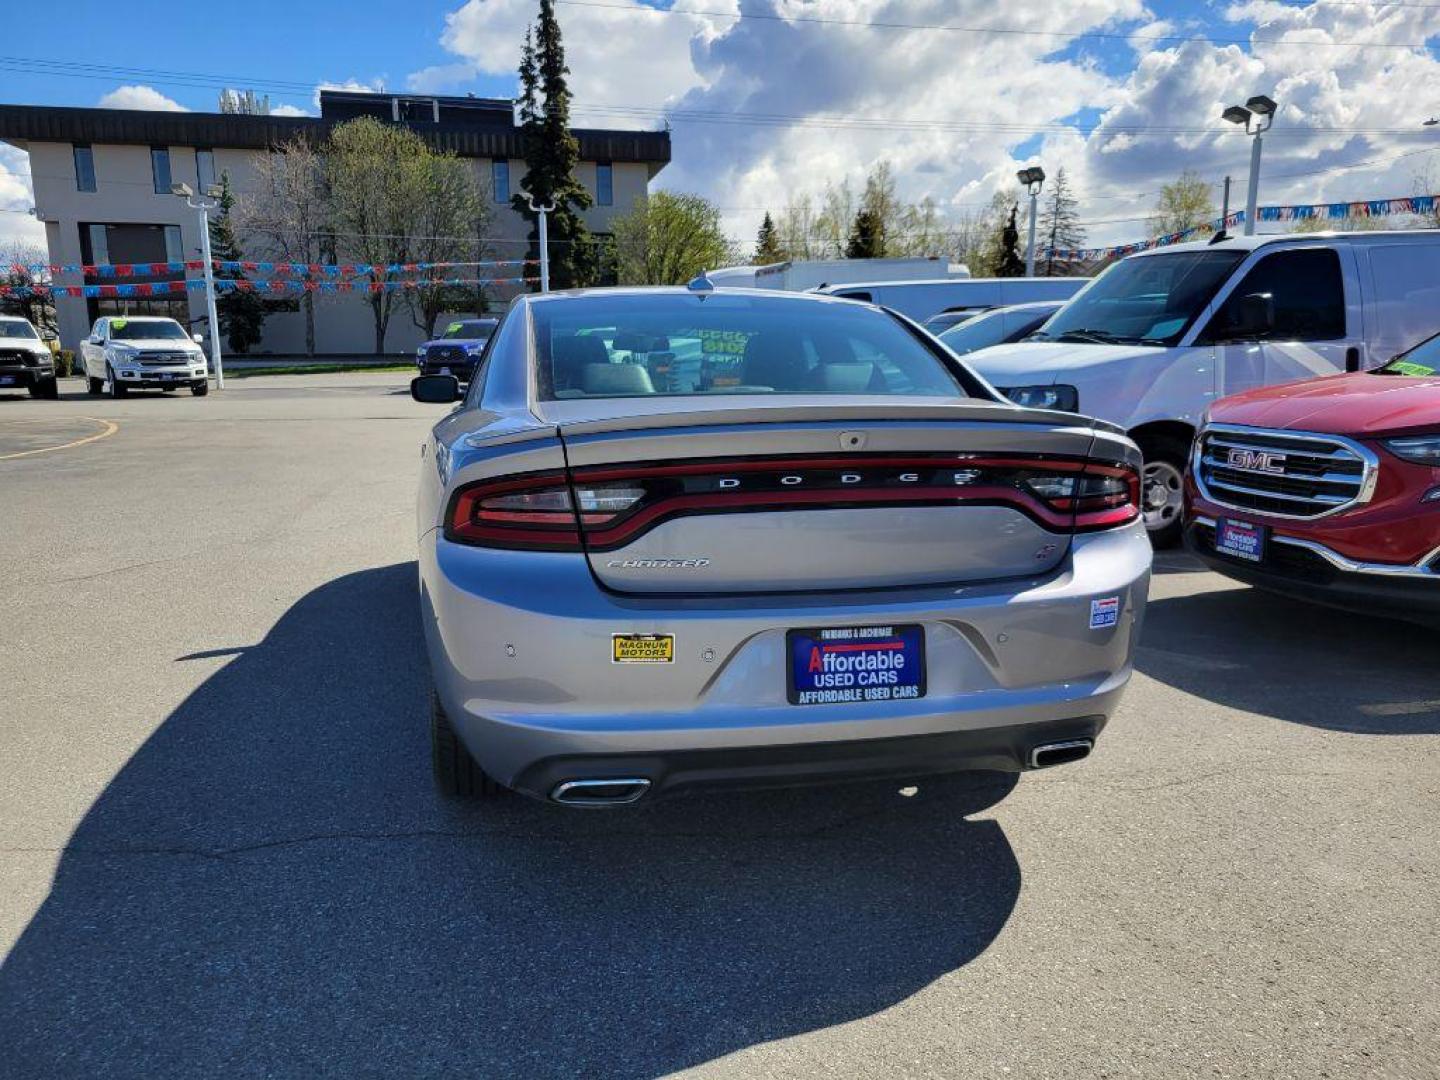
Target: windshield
x=679 y=345
x=469 y=330
x=1423 y=359
x=1145 y=300
x=995 y=328
x=17 y=328
x=147 y=330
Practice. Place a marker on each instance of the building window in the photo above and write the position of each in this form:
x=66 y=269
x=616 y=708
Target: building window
x=160 y=169
x=205 y=169
x=500 y=180
x=604 y=184
x=84 y=167
x=174 y=250
x=96 y=248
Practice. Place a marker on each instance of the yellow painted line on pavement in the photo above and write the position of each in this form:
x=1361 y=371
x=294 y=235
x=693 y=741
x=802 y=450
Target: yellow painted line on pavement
x=109 y=426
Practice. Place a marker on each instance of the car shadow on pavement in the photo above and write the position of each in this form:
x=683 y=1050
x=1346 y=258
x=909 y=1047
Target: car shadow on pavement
x=1257 y=652
x=270 y=887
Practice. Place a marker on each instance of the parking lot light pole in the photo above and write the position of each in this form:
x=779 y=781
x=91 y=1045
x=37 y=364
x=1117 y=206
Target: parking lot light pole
x=1255 y=116
x=1033 y=178
x=203 y=208
x=542 y=209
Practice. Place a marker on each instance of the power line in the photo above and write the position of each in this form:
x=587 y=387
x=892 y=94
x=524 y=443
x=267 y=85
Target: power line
x=1100 y=35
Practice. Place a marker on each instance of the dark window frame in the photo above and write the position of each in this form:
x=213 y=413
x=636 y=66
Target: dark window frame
x=605 y=194
x=200 y=181
x=157 y=155
x=88 y=172
x=500 y=167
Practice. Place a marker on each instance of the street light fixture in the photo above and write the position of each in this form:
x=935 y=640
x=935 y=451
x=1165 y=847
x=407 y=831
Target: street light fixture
x=542 y=211
x=203 y=208
x=1033 y=178
x=1255 y=116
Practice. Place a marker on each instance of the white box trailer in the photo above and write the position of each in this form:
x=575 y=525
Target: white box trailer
x=922 y=300
x=816 y=273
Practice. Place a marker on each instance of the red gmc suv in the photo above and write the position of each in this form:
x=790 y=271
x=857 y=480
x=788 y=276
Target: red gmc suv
x=1327 y=490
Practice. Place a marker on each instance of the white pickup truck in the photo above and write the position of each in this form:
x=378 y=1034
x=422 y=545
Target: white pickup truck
x=125 y=353
x=25 y=359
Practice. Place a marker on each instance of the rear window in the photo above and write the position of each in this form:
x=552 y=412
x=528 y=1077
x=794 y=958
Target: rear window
x=668 y=344
x=469 y=329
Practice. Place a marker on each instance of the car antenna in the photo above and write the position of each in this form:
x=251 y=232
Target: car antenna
x=1221 y=235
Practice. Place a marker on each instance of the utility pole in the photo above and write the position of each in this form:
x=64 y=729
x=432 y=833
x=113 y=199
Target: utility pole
x=203 y=208
x=542 y=210
x=1225 y=206
x=1033 y=178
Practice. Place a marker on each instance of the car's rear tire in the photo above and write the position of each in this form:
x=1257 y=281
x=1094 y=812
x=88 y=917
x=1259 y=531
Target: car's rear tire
x=200 y=389
x=1162 y=488
x=456 y=774
x=48 y=389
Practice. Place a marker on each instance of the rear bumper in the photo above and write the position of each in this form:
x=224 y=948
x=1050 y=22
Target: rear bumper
x=1308 y=570
x=1003 y=749
x=519 y=645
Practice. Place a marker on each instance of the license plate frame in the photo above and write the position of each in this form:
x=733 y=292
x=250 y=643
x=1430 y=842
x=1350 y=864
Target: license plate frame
x=1243 y=540
x=864 y=681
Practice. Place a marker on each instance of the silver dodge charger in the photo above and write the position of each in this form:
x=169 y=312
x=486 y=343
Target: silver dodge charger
x=676 y=538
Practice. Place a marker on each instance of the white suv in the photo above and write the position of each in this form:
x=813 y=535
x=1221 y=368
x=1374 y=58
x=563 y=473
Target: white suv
x=124 y=353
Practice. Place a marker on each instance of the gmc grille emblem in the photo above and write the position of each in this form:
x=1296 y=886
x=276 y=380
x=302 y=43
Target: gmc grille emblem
x=1255 y=461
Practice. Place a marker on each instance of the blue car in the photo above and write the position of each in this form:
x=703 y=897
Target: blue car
x=456 y=349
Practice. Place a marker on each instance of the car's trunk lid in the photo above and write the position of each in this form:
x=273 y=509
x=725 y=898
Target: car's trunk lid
x=734 y=496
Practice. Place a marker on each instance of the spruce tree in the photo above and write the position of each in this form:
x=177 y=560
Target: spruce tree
x=767 y=243
x=241 y=313
x=551 y=154
x=866 y=236
x=1010 y=264
x=1060 y=220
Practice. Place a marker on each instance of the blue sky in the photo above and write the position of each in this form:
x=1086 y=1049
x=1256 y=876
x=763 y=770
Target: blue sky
x=1124 y=94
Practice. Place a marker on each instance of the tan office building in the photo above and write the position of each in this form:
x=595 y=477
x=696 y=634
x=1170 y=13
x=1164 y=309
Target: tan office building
x=102 y=182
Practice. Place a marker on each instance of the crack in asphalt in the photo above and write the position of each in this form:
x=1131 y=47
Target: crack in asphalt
x=821 y=832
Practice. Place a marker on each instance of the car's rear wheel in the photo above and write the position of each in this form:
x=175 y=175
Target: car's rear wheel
x=1162 y=489
x=456 y=774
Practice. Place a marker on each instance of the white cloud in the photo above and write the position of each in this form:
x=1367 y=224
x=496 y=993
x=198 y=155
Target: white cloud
x=374 y=86
x=140 y=97
x=441 y=78
x=288 y=110
x=18 y=230
x=958 y=112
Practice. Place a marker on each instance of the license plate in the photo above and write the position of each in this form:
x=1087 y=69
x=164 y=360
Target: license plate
x=444 y=371
x=7 y=380
x=849 y=664
x=642 y=648
x=1240 y=540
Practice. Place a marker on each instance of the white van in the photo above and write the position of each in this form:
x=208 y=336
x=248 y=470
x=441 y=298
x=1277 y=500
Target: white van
x=923 y=299
x=1159 y=335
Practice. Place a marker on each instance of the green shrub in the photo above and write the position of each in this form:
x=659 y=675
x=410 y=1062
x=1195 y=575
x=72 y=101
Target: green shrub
x=64 y=363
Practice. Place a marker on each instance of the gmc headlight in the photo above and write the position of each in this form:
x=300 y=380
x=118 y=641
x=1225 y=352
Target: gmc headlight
x=1421 y=449
x=1059 y=396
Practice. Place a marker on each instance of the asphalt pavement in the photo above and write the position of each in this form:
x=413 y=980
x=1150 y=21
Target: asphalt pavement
x=220 y=852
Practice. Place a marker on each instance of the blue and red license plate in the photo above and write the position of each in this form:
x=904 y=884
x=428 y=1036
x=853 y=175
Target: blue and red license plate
x=851 y=664
x=1240 y=540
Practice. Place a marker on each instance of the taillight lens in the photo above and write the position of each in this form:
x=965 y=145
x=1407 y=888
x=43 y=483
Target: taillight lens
x=538 y=511
x=607 y=508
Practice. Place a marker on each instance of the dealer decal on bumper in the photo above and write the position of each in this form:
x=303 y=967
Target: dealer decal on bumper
x=642 y=648
x=1104 y=613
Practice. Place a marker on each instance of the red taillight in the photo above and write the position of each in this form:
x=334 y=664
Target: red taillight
x=606 y=508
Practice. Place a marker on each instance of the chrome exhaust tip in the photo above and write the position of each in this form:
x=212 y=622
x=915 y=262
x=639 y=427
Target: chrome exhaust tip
x=1059 y=753
x=597 y=793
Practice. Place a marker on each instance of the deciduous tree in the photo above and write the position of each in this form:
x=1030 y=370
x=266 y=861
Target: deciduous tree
x=1184 y=203
x=669 y=239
